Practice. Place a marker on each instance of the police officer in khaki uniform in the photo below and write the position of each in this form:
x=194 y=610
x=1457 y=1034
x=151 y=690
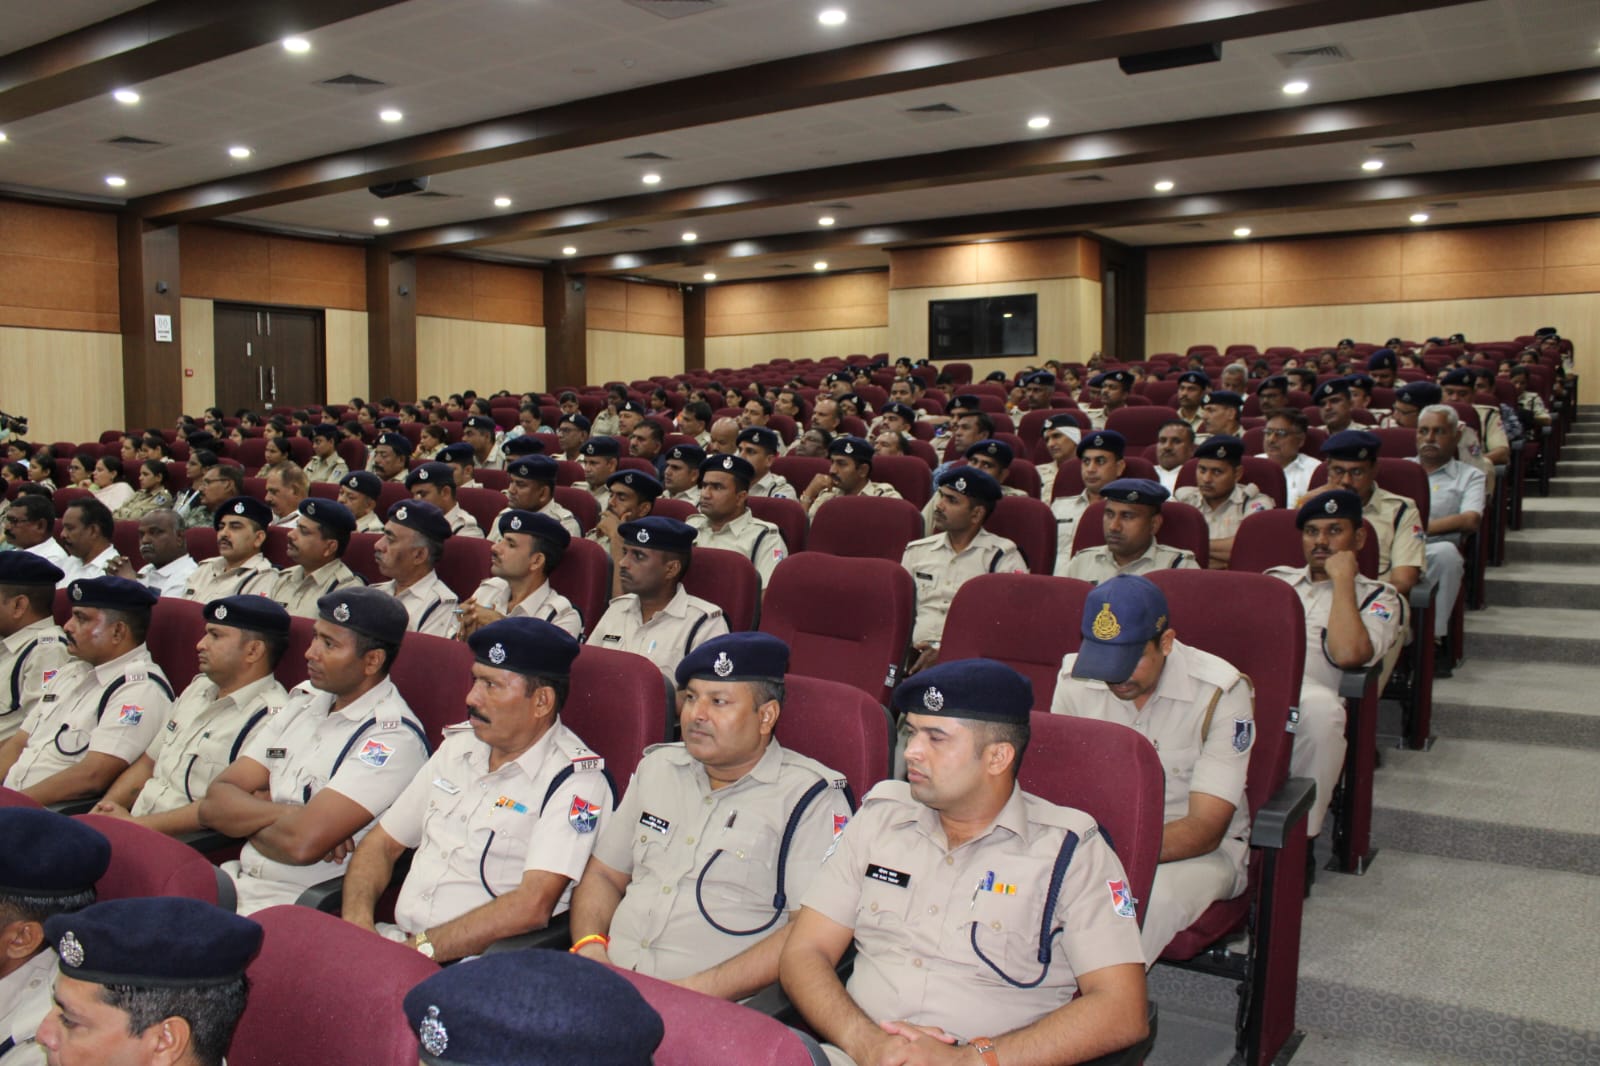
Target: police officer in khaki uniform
x=238 y=567
x=630 y=495
x=317 y=543
x=359 y=492
x=993 y=457
x=1222 y=409
x=49 y=864
x=655 y=616
x=1114 y=386
x=233 y=696
x=1199 y=712
x=32 y=647
x=1352 y=622
x=689 y=881
x=680 y=473
x=461 y=459
x=1100 y=463
x=407 y=553
x=850 y=474
x=1352 y=463
x=480 y=431
x=1458 y=387
x=503 y=816
x=1333 y=398
x=339 y=753
x=529 y=548
x=1131 y=520
x=941 y=881
x=1192 y=387
x=724 y=519
x=391 y=456
x=599 y=458
x=1220 y=496
x=1061 y=436
x=435 y=483
x=960 y=551
x=758 y=446
x=533 y=488
x=325 y=464
x=102 y=709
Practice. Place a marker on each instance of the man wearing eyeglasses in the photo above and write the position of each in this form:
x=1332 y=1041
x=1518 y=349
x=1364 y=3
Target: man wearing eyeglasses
x=1283 y=438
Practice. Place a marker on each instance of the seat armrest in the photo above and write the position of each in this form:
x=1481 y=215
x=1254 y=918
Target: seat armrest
x=207 y=840
x=327 y=897
x=1283 y=814
x=1353 y=683
x=227 y=891
x=557 y=936
x=1422 y=594
x=77 y=806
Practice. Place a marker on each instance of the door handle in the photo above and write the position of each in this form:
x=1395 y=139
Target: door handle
x=258 y=323
x=269 y=323
x=274 y=377
x=261 y=384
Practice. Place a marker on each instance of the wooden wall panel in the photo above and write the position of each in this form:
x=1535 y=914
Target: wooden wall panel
x=627 y=356
x=345 y=351
x=68 y=382
x=455 y=354
x=482 y=292
x=199 y=355
x=58 y=268
x=747 y=349
x=994 y=261
x=798 y=305
x=247 y=267
x=617 y=306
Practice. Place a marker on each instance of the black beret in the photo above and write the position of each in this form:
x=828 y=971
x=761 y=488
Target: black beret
x=398 y=441
x=331 y=513
x=1136 y=490
x=1459 y=377
x=248 y=612
x=1105 y=440
x=1040 y=377
x=46 y=854
x=1352 y=444
x=971 y=483
x=421 y=516
x=633 y=406
x=737 y=465
x=1227 y=449
x=967 y=402
x=1361 y=381
x=244 y=507
x=365 y=482
x=852 y=448
x=460 y=453
x=366 y=611
x=480 y=422
x=434 y=473
x=525 y=645
x=331 y=432
x=525 y=444
x=1347 y=342
x=1334 y=387
x=575 y=419
x=111 y=593
x=601 y=447
x=998 y=450
x=761 y=437
x=1276 y=381
x=658 y=533
x=1124 y=378
x=1383 y=359
x=27 y=570
x=967 y=688
x=1194 y=377
x=1063 y=422
x=535 y=468
x=1338 y=503
x=905 y=411
x=691 y=454
x=736 y=657
x=153 y=942
x=534 y=524
x=1223 y=397
x=643 y=485
x=388 y=422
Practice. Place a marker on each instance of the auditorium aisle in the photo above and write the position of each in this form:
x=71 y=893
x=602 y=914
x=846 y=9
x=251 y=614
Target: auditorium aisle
x=1474 y=936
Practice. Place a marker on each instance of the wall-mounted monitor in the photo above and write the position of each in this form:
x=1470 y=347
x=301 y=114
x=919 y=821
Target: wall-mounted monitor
x=983 y=328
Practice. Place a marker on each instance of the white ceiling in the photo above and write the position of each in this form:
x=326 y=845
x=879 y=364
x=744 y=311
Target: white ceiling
x=29 y=24
x=449 y=62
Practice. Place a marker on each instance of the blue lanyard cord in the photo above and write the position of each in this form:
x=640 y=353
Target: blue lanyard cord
x=780 y=901
x=1046 y=934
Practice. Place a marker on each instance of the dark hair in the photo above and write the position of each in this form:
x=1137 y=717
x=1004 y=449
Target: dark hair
x=1293 y=417
x=212 y=1012
x=277 y=644
x=1017 y=734
x=156 y=467
x=365 y=643
x=33 y=504
x=653 y=428
x=232 y=473
x=41 y=598
x=336 y=533
x=1177 y=422
x=700 y=410
x=94 y=513
x=766 y=405
x=552 y=551
x=766 y=690
x=985 y=423
x=18 y=468
x=561 y=686
x=137 y=619
x=20 y=906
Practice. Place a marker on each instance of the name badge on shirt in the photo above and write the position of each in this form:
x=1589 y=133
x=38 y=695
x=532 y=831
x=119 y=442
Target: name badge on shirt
x=924 y=577
x=446 y=787
x=651 y=821
x=611 y=638
x=887 y=876
x=277 y=753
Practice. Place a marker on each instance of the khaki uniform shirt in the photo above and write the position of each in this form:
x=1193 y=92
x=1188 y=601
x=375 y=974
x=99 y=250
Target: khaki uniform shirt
x=62 y=727
x=543 y=603
x=1196 y=421
x=773 y=485
x=26 y=998
x=1047 y=479
x=299 y=746
x=938 y=571
x=331 y=469
x=371 y=522
x=880 y=489
x=691 y=495
x=214 y=578
x=495 y=460
x=1223 y=521
x=298 y=592
x=754 y=538
x=1401 y=537
x=201 y=737
x=462 y=524
x=1097 y=417
x=1201 y=719
x=1097 y=564
x=568 y=520
x=477 y=831
x=1494 y=431
x=916 y=905
x=1067 y=509
x=28 y=659
x=1382 y=615
x=602 y=495
x=672 y=824
x=429 y=602
x=685 y=623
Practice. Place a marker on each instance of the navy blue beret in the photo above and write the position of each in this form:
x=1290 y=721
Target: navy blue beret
x=526 y=444
x=762 y=437
x=247 y=507
x=1276 y=381
x=1227 y=449
x=534 y=524
x=526 y=646
x=854 y=448
x=658 y=533
x=1105 y=440
x=691 y=454
x=1040 y=377
x=632 y=406
x=27 y=570
x=998 y=450
x=1124 y=378
x=248 y=612
x=460 y=453
x=1063 y=422
x=1383 y=359
x=575 y=419
x=388 y=422
x=366 y=611
x=535 y=468
x=1136 y=490
x=904 y=411
x=480 y=422
x=1347 y=342
x=736 y=657
x=966 y=402
x=1361 y=381
x=1333 y=387
x=46 y=854
x=1194 y=377
x=434 y=473
x=1224 y=397
x=365 y=482
x=1120 y=616
x=398 y=441
x=967 y=688
x=157 y=942
x=1337 y=503
x=971 y=483
x=111 y=593
x=421 y=516
x=1352 y=444
x=329 y=513
x=1419 y=394
x=331 y=432
x=737 y=465
x=643 y=485
x=601 y=447
x=1459 y=377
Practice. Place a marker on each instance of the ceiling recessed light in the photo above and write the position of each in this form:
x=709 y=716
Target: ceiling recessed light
x=380 y=222
x=502 y=201
x=1420 y=217
x=709 y=276
x=1242 y=231
x=390 y=114
x=1372 y=164
x=1295 y=88
x=833 y=16
x=691 y=236
x=126 y=96
x=820 y=264
x=1039 y=122
x=1164 y=186
x=569 y=250
x=651 y=178
x=239 y=151
x=116 y=181
x=825 y=220
x=297 y=45
x=2 y=137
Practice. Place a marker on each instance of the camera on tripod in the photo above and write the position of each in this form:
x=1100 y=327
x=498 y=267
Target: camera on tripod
x=17 y=424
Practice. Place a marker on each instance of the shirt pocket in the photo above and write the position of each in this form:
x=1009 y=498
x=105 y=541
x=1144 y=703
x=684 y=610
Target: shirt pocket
x=744 y=865
x=502 y=848
x=884 y=907
x=1004 y=930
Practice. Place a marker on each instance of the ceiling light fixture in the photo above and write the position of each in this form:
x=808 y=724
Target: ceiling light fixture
x=832 y=16
x=2 y=138
x=390 y=114
x=1372 y=165
x=690 y=237
x=1242 y=231
x=126 y=96
x=1164 y=185
x=502 y=201
x=825 y=220
x=1039 y=122
x=1295 y=88
x=1420 y=217
x=569 y=250
x=297 y=45
x=239 y=151
x=652 y=178
x=116 y=181
x=380 y=222
x=709 y=276
x=820 y=264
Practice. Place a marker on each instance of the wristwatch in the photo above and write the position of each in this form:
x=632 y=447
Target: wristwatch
x=424 y=945
x=984 y=1046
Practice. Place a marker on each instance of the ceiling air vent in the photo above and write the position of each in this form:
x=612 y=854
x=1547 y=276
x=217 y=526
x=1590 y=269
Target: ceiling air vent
x=1088 y=179
x=934 y=111
x=633 y=231
x=654 y=156
x=353 y=83
x=674 y=9
x=1447 y=205
x=1191 y=225
x=1395 y=146
x=135 y=144
x=430 y=195
x=1321 y=56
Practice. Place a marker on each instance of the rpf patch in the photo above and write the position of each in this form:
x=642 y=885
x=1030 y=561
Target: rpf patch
x=47 y=677
x=375 y=753
x=583 y=815
x=131 y=714
x=1377 y=609
x=1122 y=901
x=1244 y=731
x=839 y=822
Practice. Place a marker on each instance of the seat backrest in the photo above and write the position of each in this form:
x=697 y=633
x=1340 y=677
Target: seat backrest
x=353 y=452
x=584 y=577
x=1030 y=525
x=845 y=619
x=993 y=616
x=276 y=548
x=176 y=626
x=700 y=1029
x=584 y=507
x=482 y=504
x=356 y=1016
x=798 y=470
x=1269 y=538
x=125 y=537
x=147 y=863
x=908 y=474
x=358 y=556
x=841 y=727
x=1182 y=526
x=619 y=703
x=868 y=527
x=787 y=515
x=1112 y=773
x=1397 y=441
x=682 y=510
x=291 y=668
x=12 y=798
x=1140 y=425
x=464 y=564
x=433 y=676
x=730 y=581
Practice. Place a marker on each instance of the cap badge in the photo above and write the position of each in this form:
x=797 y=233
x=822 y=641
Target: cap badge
x=723 y=666
x=1133 y=497
x=1098 y=440
x=341 y=613
x=497 y=654
x=933 y=700
x=993 y=449
x=221 y=613
x=1106 y=626
x=77 y=592
x=1362 y=454
x=727 y=462
x=238 y=508
x=431 y=1033
x=400 y=513
x=1331 y=507
x=643 y=536
x=960 y=484
x=311 y=507
x=1161 y=624
x=1206 y=398
x=849 y=449
x=516 y=522
x=70 y=950
x=422 y=475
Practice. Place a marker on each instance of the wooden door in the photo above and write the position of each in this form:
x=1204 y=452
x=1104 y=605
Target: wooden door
x=294 y=370
x=240 y=359
x=267 y=357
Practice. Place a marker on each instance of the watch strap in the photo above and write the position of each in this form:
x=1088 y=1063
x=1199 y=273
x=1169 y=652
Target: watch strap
x=985 y=1048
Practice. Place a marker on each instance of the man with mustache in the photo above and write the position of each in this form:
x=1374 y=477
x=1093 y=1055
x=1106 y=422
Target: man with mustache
x=533 y=488
x=239 y=566
x=1131 y=520
x=503 y=816
x=359 y=492
x=849 y=474
x=317 y=543
x=724 y=520
x=1099 y=463
x=408 y=555
x=655 y=616
x=32 y=647
x=529 y=548
x=167 y=562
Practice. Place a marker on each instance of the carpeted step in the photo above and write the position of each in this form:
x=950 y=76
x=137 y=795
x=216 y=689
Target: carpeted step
x=1534 y=634
x=1545 y=584
x=1518 y=702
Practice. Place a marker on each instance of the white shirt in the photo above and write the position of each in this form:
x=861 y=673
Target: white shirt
x=51 y=551
x=169 y=580
x=75 y=568
x=1297 y=476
